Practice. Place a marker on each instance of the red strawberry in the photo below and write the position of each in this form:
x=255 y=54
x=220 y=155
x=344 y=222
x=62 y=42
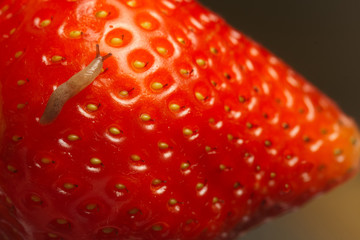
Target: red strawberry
x=192 y=131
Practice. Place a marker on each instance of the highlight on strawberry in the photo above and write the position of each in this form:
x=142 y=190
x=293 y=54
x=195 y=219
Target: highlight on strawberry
x=190 y=130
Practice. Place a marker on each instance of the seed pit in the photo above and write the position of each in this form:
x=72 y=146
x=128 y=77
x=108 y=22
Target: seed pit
x=160 y=82
x=52 y=235
x=118 y=38
x=146 y=21
x=163 y=47
x=185 y=70
x=140 y=60
x=157 y=227
x=11 y=168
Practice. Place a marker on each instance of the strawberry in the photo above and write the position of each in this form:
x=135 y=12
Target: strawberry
x=189 y=130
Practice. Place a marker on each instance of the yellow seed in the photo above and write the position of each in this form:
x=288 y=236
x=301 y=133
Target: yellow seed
x=184 y=71
x=187 y=132
x=199 y=96
x=272 y=175
x=92 y=107
x=222 y=167
x=133 y=211
x=95 y=161
x=162 y=50
x=227 y=108
x=45 y=23
x=184 y=166
x=199 y=186
x=73 y=137
x=163 y=145
x=45 y=160
x=21 y=82
x=181 y=40
x=61 y=221
x=172 y=201
x=12 y=31
x=131 y=3
x=116 y=41
x=200 y=62
x=145 y=117
x=213 y=50
x=4 y=8
x=157 y=228
x=207 y=148
x=91 y=206
x=146 y=25
x=75 y=34
x=16 y=138
x=21 y=105
x=156 y=182
x=156 y=86
x=138 y=64
x=107 y=230
x=230 y=137
x=268 y=143
x=56 y=58
x=69 y=186
x=18 y=54
x=337 y=151
x=35 y=198
x=8 y=200
x=237 y=185
x=52 y=235
x=215 y=200
x=120 y=186
x=174 y=107
x=11 y=168
x=124 y=93
x=101 y=14
x=135 y=157
x=114 y=131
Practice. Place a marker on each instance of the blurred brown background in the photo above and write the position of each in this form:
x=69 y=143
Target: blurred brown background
x=321 y=40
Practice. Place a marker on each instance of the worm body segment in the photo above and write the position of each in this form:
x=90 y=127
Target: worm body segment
x=71 y=87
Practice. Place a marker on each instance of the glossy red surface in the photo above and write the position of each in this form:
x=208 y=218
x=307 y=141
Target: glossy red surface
x=234 y=136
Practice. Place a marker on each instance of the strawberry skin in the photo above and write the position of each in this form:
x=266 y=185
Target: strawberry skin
x=192 y=131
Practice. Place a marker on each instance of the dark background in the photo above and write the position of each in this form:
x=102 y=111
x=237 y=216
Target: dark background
x=321 y=40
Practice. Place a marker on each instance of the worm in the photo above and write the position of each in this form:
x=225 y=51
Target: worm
x=71 y=87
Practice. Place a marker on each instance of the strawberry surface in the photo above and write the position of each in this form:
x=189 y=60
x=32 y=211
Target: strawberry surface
x=191 y=131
